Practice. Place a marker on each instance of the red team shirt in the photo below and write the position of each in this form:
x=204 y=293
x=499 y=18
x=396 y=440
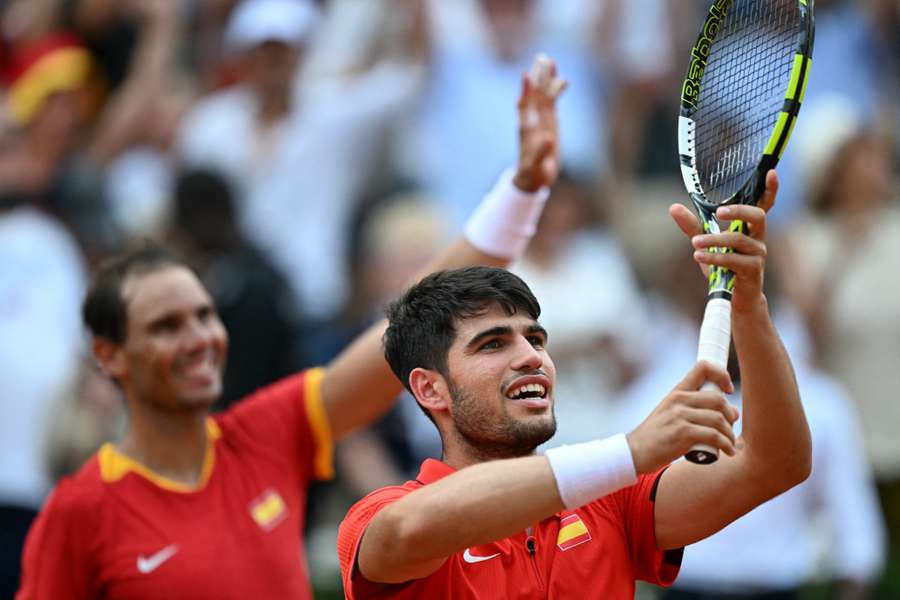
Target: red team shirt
x=594 y=552
x=117 y=530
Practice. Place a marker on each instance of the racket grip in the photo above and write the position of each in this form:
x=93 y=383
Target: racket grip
x=715 y=341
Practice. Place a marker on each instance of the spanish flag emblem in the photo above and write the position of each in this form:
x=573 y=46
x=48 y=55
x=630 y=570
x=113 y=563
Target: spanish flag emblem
x=572 y=532
x=268 y=509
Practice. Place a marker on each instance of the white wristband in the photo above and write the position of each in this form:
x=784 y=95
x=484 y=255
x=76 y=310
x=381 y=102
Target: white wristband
x=587 y=471
x=504 y=222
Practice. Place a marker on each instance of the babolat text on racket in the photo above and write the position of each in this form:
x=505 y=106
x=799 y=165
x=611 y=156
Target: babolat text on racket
x=740 y=99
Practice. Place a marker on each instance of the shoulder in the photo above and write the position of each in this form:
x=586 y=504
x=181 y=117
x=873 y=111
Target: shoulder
x=361 y=513
x=76 y=500
x=375 y=501
x=359 y=516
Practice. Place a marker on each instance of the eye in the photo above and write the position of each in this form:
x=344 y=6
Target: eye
x=167 y=325
x=536 y=341
x=494 y=344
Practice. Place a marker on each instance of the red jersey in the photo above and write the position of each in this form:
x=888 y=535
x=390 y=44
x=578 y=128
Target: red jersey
x=118 y=530
x=595 y=552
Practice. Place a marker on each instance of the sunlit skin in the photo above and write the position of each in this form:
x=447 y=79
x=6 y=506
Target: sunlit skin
x=173 y=355
x=492 y=355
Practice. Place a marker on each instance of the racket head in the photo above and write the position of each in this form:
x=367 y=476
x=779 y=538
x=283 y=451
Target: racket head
x=741 y=96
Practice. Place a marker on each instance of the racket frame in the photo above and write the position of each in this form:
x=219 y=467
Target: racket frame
x=715 y=331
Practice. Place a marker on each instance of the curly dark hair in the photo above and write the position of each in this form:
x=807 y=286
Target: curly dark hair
x=422 y=323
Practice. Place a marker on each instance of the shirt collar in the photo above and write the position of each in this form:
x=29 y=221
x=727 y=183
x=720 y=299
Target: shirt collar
x=432 y=470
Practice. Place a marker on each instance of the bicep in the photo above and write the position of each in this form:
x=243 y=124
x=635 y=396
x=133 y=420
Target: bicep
x=695 y=501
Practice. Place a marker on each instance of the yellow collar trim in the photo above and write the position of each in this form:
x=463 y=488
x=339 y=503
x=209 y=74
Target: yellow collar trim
x=114 y=465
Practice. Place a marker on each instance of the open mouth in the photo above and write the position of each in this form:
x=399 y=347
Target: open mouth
x=530 y=393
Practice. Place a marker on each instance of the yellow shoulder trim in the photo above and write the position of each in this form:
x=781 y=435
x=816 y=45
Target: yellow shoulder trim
x=114 y=465
x=323 y=461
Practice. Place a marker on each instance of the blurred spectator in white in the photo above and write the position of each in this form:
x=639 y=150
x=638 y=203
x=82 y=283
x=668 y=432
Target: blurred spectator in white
x=300 y=151
x=478 y=51
x=849 y=61
x=644 y=45
x=590 y=301
x=846 y=284
x=828 y=529
x=42 y=279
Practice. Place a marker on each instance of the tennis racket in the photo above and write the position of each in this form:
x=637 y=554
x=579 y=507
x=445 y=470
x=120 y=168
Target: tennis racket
x=739 y=102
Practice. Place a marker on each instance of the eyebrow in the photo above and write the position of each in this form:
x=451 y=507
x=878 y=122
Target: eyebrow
x=502 y=330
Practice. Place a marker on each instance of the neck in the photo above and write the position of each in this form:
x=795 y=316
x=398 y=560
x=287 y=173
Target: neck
x=172 y=445
x=458 y=453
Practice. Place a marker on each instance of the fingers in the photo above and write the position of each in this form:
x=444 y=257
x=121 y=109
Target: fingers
x=753 y=216
x=704 y=372
x=685 y=219
x=710 y=427
x=738 y=242
x=767 y=200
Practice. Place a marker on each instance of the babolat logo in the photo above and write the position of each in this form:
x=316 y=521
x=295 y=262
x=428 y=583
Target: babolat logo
x=699 y=55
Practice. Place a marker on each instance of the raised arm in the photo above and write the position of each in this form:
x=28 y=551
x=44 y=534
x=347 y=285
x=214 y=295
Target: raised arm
x=774 y=451
x=358 y=385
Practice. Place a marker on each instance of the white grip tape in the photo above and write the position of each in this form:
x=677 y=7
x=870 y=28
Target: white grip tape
x=715 y=333
x=715 y=342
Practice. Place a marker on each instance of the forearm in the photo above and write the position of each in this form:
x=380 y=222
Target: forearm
x=775 y=432
x=480 y=504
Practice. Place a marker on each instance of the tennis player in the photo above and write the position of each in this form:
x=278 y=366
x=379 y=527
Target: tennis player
x=188 y=505
x=494 y=520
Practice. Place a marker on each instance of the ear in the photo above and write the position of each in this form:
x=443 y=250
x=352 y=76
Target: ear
x=110 y=356
x=430 y=389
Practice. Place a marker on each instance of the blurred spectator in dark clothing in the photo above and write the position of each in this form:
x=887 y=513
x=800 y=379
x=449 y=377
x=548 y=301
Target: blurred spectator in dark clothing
x=253 y=299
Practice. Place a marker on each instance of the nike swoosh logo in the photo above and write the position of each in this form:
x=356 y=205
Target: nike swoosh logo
x=151 y=563
x=467 y=556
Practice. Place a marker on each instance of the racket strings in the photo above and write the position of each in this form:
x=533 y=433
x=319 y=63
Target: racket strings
x=742 y=92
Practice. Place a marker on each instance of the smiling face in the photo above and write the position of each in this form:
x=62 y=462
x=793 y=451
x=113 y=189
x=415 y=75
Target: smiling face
x=500 y=382
x=174 y=349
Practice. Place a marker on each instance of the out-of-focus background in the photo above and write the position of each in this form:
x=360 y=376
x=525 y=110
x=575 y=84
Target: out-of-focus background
x=307 y=157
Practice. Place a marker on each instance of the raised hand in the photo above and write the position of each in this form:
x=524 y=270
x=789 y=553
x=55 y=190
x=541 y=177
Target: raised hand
x=686 y=417
x=539 y=163
x=749 y=256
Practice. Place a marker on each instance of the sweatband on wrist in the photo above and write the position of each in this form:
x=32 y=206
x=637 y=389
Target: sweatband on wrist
x=507 y=217
x=590 y=470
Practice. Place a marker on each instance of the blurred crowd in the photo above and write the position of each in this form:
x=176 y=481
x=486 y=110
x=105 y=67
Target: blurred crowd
x=307 y=157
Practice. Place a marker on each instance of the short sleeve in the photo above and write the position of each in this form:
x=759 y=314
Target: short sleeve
x=56 y=561
x=635 y=505
x=288 y=417
x=351 y=532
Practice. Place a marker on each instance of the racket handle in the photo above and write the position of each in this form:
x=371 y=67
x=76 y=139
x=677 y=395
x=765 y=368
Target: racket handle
x=715 y=341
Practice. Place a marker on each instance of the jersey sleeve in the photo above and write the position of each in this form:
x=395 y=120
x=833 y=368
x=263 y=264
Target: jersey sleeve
x=635 y=506
x=56 y=561
x=288 y=417
x=350 y=536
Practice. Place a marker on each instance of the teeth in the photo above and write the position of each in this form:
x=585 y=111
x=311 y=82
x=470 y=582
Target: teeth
x=530 y=388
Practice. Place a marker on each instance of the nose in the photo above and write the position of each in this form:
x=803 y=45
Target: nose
x=528 y=358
